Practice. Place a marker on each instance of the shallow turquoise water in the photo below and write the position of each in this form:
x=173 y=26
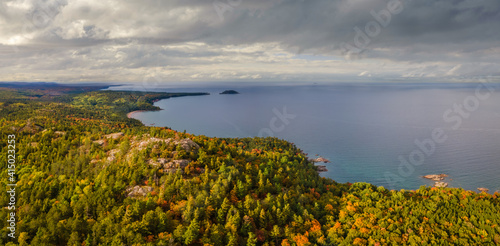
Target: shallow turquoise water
x=363 y=129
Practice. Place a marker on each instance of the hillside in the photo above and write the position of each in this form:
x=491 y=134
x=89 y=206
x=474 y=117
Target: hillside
x=88 y=175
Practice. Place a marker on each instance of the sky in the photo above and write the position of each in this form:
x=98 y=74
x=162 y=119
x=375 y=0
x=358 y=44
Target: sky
x=249 y=40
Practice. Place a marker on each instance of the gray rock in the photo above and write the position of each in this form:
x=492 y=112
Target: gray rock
x=435 y=177
x=173 y=166
x=31 y=127
x=187 y=144
x=100 y=141
x=321 y=159
x=321 y=168
x=112 y=154
x=138 y=191
x=114 y=135
x=483 y=189
x=440 y=184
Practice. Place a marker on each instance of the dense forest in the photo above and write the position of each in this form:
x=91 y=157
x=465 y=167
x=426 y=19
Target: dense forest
x=86 y=174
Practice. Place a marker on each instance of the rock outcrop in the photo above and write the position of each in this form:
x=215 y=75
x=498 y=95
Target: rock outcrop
x=114 y=135
x=142 y=144
x=138 y=191
x=173 y=166
x=31 y=127
x=440 y=184
x=158 y=163
x=321 y=168
x=435 y=177
x=321 y=159
x=112 y=155
x=136 y=145
x=483 y=189
x=188 y=145
x=100 y=141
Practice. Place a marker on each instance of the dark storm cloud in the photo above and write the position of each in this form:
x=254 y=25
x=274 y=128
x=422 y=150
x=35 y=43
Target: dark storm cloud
x=135 y=34
x=325 y=25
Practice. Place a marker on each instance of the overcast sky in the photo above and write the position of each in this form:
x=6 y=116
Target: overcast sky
x=249 y=40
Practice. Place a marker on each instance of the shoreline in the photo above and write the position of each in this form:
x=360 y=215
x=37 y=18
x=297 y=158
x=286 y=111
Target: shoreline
x=434 y=179
x=171 y=95
x=130 y=114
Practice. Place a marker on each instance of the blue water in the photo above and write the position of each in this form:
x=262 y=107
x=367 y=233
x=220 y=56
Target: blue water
x=362 y=129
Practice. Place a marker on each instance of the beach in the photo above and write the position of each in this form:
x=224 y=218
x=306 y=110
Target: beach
x=131 y=114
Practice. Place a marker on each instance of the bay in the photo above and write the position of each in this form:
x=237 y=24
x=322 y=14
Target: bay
x=365 y=130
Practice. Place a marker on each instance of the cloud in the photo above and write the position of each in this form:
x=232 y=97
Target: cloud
x=455 y=70
x=248 y=40
x=365 y=73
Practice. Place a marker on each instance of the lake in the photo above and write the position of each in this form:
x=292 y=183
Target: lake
x=385 y=134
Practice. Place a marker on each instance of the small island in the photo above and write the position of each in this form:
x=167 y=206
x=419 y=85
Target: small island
x=435 y=177
x=229 y=92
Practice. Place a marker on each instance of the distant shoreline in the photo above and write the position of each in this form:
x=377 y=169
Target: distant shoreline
x=169 y=95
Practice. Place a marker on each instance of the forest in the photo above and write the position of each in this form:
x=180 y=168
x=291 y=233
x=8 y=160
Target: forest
x=86 y=174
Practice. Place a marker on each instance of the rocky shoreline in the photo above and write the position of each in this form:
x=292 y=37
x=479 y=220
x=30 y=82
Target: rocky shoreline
x=438 y=178
x=321 y=159
x=320 y=168
x=483 y=189
x=440 y=181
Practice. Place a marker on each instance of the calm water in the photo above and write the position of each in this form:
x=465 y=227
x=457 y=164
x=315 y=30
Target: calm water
x=363 y=130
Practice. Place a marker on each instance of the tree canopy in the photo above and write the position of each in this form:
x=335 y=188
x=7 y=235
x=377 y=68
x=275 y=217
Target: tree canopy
x=88 y=175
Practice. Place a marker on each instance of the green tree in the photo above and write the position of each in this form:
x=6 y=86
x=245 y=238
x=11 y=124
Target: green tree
x=252 y=239
x=192 y=232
